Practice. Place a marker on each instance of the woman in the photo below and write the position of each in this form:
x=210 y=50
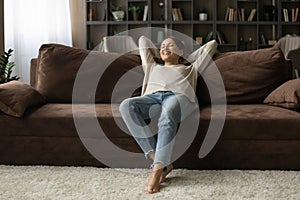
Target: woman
x=168 y=91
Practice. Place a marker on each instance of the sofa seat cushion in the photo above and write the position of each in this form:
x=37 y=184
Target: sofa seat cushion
x=257 y=121
x=51 y=119
x=249 y=122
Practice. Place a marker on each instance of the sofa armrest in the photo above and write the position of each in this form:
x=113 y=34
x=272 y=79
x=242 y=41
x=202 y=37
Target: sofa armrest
x=33 y=72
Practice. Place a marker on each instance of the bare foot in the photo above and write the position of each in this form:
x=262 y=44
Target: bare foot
x=154 y=181
x=165 y=173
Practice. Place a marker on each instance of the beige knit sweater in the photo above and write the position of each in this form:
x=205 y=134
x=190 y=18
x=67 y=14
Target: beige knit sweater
x=177 y=78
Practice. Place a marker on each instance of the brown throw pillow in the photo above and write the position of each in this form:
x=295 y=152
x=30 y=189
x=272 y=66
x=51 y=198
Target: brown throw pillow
x=16 y=97
x=58 y=66
x=287 y=95
x=248 y=76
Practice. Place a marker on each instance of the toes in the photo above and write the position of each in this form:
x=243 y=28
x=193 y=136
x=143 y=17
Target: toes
x=153 y=183
x=152 y=190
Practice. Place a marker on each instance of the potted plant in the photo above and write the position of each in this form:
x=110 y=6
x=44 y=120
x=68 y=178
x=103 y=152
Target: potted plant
x=6 y=68
x=203 y=14
x=135 y=11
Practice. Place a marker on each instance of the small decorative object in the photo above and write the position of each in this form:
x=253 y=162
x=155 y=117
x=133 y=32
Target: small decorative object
x=117 y=13
x=272 y=42
x=202 y=14
x=162 y=5
x=135 y=11
x=209 y=36
x=245 y=45
x=199 y=40
x=6 y=68
x=268 y=12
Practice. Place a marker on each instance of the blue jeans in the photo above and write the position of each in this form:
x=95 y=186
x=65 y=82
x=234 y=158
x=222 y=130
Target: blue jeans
x=171 y=108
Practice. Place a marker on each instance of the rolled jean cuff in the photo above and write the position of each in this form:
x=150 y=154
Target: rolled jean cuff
x=158 y=162
x=147 y=156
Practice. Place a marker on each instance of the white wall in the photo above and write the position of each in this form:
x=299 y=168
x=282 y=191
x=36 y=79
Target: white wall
x=78 y=18
x=77 y=8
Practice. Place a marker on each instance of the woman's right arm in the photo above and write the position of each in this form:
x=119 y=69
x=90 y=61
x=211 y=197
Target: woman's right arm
x=145 y=46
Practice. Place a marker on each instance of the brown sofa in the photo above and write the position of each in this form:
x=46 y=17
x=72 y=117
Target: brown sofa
x=261 y=129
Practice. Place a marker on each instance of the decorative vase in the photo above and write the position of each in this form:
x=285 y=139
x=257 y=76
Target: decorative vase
x=135 y=16
x=268 y=16
x=202 y=16
x=118 y=15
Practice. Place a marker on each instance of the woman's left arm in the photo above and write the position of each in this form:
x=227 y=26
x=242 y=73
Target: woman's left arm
x=201 y=58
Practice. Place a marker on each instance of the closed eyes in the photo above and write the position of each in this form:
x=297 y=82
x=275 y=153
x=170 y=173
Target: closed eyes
x=169 y=45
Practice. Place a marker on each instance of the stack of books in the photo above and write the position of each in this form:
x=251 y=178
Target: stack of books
x=177 y=14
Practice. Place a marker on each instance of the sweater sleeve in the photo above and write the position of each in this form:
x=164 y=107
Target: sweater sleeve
x=201 y=58
x=145 y=46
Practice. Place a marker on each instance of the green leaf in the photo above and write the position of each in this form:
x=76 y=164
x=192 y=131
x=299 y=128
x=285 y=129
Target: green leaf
x=6 y=67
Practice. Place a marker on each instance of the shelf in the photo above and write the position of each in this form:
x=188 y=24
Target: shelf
x=291 y=23
x=289 y=1
x=202 y=22
x=182 y=0
x=137 y=22
x=240 y=23
x=96 y=22
x=161 y=22
x=96 y=1
x=137 y=1
x=182 y=22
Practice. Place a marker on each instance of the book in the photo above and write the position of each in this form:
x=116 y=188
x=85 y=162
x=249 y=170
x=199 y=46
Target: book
x=220 y=38
x=243 y=14
x=177 y=15
x=226 y=14
x=235 y=15
x=239 y=15
x=293 y=15
x=285 y=14
x=209 y=36
x=262 y=38
x=145 y=13
x=251 y=15
x=296 y=73
x=231 y=14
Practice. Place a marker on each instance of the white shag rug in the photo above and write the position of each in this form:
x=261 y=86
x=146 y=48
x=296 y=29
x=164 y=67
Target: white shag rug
x=50 y=182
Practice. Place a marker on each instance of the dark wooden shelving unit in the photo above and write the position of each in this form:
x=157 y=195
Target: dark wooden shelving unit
x=237 y=34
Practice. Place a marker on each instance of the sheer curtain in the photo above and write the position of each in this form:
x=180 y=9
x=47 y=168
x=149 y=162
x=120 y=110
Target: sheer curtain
x=30 y=23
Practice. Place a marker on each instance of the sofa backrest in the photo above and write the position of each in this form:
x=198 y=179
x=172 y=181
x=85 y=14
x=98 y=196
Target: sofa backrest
x=33 y=71
x=249 y=76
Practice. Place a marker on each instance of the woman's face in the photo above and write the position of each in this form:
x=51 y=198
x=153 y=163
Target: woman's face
x=169 y=52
